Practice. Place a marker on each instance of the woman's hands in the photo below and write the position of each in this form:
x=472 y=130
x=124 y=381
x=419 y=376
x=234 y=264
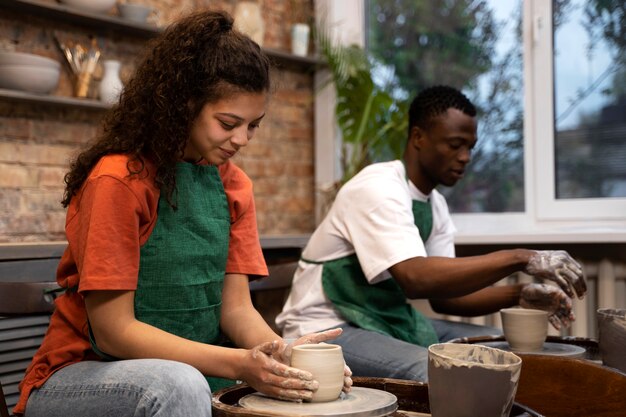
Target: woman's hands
x=551 y=299
x=267 y=369
x=312 y=338
x=285 y=353
x=267 y=375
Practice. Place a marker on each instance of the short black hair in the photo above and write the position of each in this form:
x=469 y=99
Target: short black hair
x=433 y=101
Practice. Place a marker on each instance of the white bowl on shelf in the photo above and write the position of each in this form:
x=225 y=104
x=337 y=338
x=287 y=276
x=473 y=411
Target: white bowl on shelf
x=30 y=78
x=23 y=58
x=134 y=12
x=95 y=6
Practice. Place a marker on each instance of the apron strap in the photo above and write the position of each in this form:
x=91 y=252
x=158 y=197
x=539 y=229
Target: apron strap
x=423 y=218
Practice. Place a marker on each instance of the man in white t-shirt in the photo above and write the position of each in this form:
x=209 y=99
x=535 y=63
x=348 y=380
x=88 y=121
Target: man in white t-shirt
x=389 y=237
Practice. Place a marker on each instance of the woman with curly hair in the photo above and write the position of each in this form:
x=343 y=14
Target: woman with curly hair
x=162 y=240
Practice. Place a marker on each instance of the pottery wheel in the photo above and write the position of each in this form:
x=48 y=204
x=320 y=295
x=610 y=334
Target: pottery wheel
x=549 y=348
x=360 y=402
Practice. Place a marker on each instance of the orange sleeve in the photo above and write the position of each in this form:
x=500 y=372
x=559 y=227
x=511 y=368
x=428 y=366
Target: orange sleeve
x=244 y=253
x=112 y=219
x=107 y=220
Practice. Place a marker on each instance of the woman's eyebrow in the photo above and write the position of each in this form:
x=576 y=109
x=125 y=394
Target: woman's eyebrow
x=239 y=118
x=234 y=116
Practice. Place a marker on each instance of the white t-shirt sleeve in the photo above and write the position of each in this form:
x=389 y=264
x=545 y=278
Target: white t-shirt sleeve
x=379 y=224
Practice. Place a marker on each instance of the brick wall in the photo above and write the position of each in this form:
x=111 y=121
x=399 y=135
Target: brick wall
x=36 y=141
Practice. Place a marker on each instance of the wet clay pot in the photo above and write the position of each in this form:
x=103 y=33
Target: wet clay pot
x=524 y=329
x=612 y=337
x=471 y=380
x=325 y=362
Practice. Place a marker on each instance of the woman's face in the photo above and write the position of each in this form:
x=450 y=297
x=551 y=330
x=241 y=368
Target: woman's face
x=222 y=128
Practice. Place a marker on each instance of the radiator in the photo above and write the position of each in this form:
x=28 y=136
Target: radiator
x=606 y=288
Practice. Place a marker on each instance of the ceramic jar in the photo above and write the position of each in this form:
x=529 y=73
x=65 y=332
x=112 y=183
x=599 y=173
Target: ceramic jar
x=249 y=20
x=325 y=362
x=111 y=85
x=612 y=337
x=467 y=380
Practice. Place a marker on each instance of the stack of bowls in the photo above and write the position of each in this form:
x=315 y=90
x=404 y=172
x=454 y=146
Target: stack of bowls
x=28 y=72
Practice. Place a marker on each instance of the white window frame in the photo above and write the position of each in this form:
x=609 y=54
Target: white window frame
x=546 y=219
x=552 y=208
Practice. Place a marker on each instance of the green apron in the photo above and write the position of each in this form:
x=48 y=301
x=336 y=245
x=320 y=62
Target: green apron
x=182 y=265
x=380 y=307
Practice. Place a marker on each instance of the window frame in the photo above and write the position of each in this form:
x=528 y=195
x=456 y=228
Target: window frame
x=551 y=208
x=546 y=218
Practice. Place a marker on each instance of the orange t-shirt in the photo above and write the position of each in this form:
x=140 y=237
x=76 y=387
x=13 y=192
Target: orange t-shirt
x=108 y=220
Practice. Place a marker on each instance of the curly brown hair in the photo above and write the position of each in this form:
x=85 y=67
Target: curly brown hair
x=198 y=60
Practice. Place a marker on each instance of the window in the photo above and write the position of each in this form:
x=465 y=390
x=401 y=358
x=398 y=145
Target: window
x=549 y=79
x=583 y=151
x=476 y=47
x=590 y=101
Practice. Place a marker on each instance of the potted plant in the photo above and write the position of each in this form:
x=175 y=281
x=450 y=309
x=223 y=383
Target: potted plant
x=372 y=120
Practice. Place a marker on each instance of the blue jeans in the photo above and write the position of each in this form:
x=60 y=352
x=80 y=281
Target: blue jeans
x=373 y=354
x=128 y=388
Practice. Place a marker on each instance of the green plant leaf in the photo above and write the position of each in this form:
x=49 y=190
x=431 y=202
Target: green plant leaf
x=373 y=124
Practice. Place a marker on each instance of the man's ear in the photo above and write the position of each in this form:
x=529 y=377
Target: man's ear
x=417 y=137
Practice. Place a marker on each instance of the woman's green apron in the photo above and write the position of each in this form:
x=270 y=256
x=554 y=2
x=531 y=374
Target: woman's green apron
x=380 y=307
x=182 y=265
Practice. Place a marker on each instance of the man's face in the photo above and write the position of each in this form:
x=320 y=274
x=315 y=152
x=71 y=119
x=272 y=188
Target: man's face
x=446 y=147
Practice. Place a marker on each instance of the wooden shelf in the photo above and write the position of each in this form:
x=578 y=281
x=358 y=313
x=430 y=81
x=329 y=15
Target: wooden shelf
x=113 y=25
x=285 y=60
x=67 y=14
x=55 y=101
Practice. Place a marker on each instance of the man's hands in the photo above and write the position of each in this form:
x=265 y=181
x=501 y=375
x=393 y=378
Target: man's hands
x=551 y=299
x=560 y=267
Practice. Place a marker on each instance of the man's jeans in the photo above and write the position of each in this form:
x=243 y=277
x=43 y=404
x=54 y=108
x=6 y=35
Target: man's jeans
x=137 y=388
x=373 y=354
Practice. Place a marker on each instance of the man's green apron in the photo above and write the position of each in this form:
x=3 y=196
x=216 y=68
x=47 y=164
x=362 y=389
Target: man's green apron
x=380 y=307
x=182 y=265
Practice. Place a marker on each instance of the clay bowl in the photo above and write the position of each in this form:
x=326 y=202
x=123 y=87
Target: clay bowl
x=612 y=337
x=95 y=6
x=134 y=12
x=33 y=79
x=23 y=58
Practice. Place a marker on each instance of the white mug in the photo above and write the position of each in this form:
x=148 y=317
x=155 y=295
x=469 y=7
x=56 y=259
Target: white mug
x=325 y=362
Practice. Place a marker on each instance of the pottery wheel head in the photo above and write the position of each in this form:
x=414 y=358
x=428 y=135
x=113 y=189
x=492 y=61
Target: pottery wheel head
x=360 y=402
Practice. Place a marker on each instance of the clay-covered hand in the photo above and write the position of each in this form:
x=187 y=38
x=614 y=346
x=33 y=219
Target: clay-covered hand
x=347 y=379
x=284 y=352
x=560 y=267
x=551 y=299
x=264 y=373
